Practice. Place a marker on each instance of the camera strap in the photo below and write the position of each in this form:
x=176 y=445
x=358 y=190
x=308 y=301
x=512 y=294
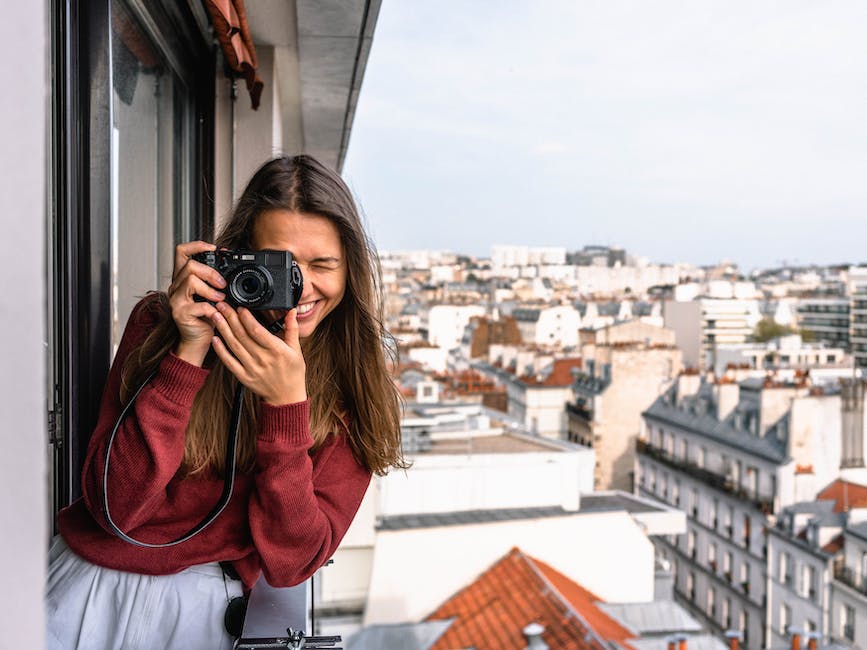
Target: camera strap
x=231 y=461
x=228 y=482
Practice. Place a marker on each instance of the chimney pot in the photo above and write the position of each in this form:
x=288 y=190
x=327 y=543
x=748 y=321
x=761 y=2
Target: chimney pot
x=734 y=639
x=533 y=634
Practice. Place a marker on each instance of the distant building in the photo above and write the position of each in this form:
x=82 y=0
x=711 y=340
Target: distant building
x=538 y=398
x=826 y=317
x=858 y=314
x=701 y=324
x=446 y=323
x=624 y=369
x=554 y=326
x=788 y=352
x=731 y=455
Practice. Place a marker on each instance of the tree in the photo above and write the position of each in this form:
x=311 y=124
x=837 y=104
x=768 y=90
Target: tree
x=767 y=329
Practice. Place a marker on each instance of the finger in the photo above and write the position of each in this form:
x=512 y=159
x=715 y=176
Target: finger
x=233 y=333
x=290 y=330
x=183 y=252
x=191 y=286
x=257 y=332
x=228 y=359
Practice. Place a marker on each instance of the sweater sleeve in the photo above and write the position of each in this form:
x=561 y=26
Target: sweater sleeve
x=303 y=503
x=149 y=445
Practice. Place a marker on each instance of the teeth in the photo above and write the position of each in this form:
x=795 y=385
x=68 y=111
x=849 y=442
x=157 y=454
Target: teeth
x=303 y=309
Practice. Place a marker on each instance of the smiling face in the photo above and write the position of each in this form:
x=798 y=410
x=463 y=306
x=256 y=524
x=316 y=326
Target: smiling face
x=315 y=245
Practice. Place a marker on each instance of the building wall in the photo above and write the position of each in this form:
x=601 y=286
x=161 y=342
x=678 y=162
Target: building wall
x=588 y=548
x=23 y=497
x=805 y=609
x=446 y=323
x=685 y=319
x=638 y=376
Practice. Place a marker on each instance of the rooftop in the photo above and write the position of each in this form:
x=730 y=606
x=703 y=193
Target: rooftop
x=518 y=590
x=507 y=443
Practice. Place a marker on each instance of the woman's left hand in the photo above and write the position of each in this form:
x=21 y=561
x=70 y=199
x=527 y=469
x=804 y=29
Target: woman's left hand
x=271 y=367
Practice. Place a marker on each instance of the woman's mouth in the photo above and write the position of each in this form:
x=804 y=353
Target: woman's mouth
x=305 y=309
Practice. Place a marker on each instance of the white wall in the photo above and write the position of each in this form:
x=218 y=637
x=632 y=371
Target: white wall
x=415 y=570
x=23 y=479
x=456 y=482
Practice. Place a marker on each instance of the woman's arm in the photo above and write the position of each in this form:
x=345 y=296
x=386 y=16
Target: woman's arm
x=149 y=445
x=302 y=505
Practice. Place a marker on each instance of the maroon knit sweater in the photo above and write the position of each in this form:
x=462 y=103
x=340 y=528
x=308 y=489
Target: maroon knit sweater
x=285 y=519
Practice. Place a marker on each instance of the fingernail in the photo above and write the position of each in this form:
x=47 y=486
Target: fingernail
x=221 y=281
x=221 y=306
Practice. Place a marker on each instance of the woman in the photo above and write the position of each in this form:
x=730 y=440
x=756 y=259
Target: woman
x=320 y=415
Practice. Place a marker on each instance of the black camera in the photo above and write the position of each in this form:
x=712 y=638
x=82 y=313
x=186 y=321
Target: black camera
x=257 y=279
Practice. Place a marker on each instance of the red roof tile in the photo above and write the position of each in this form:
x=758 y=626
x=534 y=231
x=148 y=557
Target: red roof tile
x=834 y=545
x=491 y=613
x=845 y=494
x=558 y=374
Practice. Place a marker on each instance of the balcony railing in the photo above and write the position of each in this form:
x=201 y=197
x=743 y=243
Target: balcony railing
x=717 y=481
x=848 y=577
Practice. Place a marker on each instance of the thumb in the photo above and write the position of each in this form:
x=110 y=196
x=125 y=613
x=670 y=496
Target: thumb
x=290 y=330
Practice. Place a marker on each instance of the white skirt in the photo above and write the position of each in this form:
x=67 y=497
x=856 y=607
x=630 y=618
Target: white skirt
x=93 y=608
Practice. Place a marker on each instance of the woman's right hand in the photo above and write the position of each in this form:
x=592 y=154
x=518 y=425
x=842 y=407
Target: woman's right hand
x=194 y=319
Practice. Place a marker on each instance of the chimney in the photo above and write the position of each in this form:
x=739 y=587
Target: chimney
x=533 y=634
x=796 y=637
x=812 y=640
x=734 y=639
x=681 y=642
x=726 y=396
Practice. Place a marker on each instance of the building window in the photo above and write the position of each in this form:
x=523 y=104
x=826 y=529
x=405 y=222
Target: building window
x=690 y=586
x=727 y=565
x=711 y=603
x=694 y=503
x=691 y=544
x=711 y=556
x=785 y=619
x=727 y=613
x=810 y=587
x=848 y=622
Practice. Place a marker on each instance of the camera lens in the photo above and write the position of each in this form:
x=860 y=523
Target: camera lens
x=250 y=286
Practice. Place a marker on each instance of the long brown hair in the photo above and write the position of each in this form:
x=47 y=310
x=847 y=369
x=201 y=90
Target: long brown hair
x=350 y=389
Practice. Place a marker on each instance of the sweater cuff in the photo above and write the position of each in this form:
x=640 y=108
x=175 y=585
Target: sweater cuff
x=178 y=380
x=288 y=422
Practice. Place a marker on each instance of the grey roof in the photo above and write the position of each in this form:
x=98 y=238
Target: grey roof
x=860 y=529
x=812 y=507
x=616 y=501
x=406 y=636
x=693 y=642
x=524 y=314
x=653 y=618
x=438 y=519
x=708 y=426
x=609 y=308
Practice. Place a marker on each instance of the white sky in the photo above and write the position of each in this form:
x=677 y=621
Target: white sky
x=681 y=130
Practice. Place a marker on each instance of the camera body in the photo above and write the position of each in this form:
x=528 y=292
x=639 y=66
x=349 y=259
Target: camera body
x=257 y=279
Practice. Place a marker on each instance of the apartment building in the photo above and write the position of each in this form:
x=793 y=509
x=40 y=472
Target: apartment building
x=624 y=369
x=732 y=455
x=858 y=316
x=554 y=326
x=827 y=317
x=537 y=396
x=703 y=323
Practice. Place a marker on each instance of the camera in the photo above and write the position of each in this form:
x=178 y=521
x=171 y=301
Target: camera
x=257 y=279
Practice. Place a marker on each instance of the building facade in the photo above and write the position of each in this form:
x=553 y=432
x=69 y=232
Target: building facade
x=732 y=455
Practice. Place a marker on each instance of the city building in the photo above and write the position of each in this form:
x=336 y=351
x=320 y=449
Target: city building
x=858 y=314
x=537 y=394
x=826 y=317
x=446 y=323
x=553 y=326
x=732 y=455
x=703 y=323
x=785 y=352
x=624 y=369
